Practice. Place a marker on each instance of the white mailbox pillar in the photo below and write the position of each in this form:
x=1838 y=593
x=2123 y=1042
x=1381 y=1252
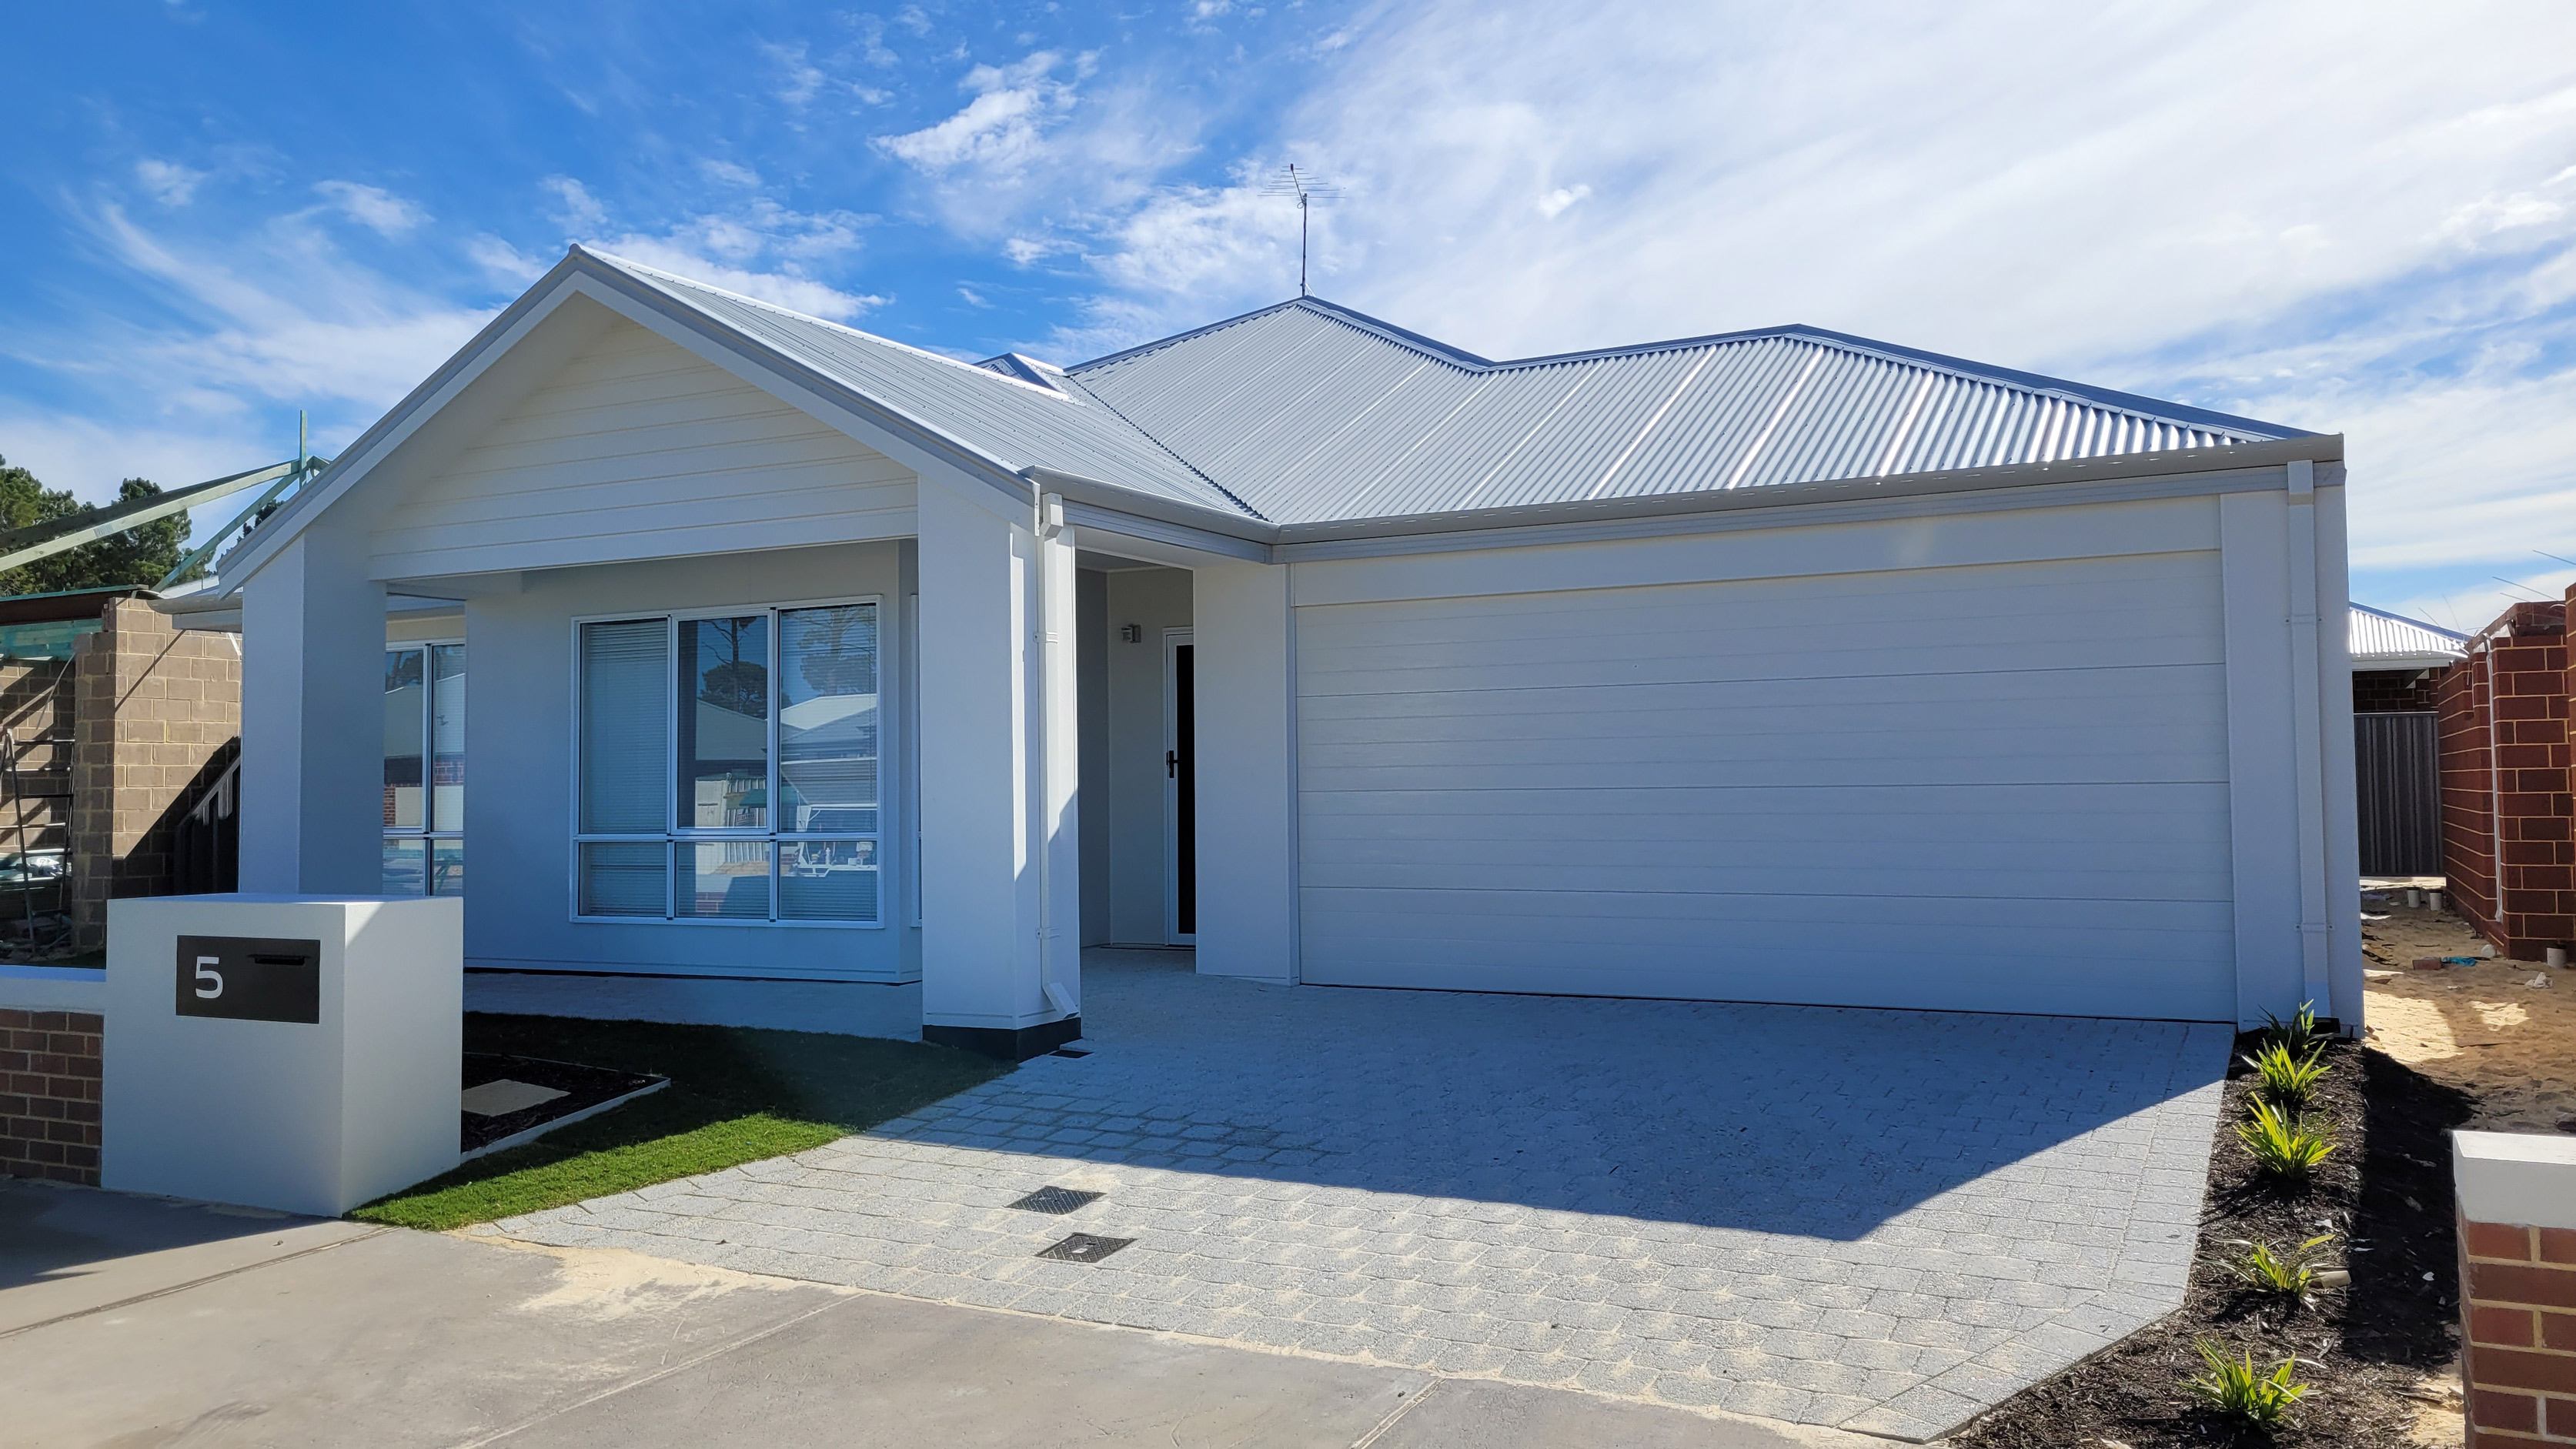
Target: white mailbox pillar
x=292 y=1052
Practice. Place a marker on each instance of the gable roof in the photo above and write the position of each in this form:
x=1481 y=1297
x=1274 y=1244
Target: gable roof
x=1311 y=412
x=1014 y=417
x=2382 y=640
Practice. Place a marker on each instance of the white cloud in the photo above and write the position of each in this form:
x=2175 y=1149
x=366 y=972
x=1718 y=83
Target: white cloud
x=999 y=128
x=761 y=249
x=577 y=209
x=247 y=327
x=169 y=183
x=372 y=207
x=2355 y=217
x=727 y=173
x=503 y=260
x=1555 y=202
x=972 y=298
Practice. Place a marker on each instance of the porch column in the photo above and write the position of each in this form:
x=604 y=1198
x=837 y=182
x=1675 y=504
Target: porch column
x=1246 y=713
x=312 y=762
x=1000 y=739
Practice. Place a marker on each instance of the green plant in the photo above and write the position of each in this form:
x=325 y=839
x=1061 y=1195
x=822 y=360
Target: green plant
x=2293 y=1273
x=2297 y=1034
x=2283 y=1146
x=2289 y=1078
x=2234 y=1387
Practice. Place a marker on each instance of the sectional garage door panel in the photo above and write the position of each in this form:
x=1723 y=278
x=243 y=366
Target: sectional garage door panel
x=1995 y=788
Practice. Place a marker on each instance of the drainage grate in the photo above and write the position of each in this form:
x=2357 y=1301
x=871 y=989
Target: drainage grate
x=1056 y=1201
x=1083 y=1248
x=1072 y=1051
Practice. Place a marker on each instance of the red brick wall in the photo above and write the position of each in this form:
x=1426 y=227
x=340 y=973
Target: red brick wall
x=2518 y=1328
x=2506 y=783
x=49 y=1094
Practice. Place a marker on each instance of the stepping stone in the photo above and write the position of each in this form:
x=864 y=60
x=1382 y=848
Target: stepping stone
x=501 y=1098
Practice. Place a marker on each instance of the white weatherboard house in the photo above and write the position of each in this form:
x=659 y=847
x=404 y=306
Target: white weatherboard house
x=1771 y=666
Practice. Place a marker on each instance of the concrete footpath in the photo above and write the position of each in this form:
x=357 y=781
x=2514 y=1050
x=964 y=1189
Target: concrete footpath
x=136 y=1322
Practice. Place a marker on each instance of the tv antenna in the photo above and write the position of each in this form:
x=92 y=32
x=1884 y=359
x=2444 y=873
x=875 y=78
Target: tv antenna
x=1308 y=188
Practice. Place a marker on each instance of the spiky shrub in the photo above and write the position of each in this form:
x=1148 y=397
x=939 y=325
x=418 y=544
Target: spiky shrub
x=2297 y=1034
x=2236 y=1388
x=2288 y=1078
x=2284 y=1147
x=2292 y=1273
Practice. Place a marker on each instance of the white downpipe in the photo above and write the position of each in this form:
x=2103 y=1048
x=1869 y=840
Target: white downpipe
x=1046 y=520
x=2307 y=710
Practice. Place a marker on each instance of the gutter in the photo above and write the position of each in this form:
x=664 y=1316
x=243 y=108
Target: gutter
x=1112 y=500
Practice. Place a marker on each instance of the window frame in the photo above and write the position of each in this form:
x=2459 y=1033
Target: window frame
x=427 y=832
x=674 y=836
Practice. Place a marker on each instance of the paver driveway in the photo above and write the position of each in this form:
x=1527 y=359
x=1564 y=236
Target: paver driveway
x=1883 y=1221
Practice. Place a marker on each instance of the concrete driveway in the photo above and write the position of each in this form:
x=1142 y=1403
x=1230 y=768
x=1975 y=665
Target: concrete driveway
x=1886 y=1222
x=138 y=1322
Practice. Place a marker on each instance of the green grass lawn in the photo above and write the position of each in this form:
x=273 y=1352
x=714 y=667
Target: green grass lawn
x=737 y=1094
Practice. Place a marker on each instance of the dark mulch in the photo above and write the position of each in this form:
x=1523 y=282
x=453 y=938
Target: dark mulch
x=2365 y=1351
x=583 y=1088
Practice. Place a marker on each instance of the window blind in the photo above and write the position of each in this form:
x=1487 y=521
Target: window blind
x=625 y=727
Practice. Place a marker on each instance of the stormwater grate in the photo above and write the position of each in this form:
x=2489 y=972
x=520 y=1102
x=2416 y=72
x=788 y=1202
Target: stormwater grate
x=1056 y=1201
x=1071 y=1052
x=1083 y=1248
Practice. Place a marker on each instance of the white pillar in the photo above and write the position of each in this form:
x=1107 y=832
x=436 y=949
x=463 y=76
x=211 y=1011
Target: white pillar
x=999 y=755
x=2289 y=725
x=1245 y=657
x=313 y=659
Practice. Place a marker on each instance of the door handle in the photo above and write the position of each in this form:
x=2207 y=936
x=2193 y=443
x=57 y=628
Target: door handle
x=1171 y=764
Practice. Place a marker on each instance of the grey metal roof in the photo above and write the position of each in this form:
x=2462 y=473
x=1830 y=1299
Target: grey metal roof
x=1309 y=412
x=2379 y=638
x=1015 y=418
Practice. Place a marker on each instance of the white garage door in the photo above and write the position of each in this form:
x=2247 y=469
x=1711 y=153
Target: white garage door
x=1993 y=788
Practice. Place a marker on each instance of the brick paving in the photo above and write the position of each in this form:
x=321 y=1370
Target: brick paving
x=1881 y=1221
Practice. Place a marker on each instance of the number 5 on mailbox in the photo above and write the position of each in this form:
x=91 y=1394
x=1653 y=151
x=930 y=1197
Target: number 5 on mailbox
x=247 y=978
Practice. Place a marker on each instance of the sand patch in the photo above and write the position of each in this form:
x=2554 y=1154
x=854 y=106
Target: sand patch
x=601 y=1284
x=2482 y=1027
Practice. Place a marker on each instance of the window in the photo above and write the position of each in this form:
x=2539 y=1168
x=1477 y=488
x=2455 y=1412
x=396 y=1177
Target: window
x=425 y=770
x=728 y=767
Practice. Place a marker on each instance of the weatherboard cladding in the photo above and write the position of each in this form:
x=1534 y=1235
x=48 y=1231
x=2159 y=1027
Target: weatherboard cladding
x=1309 y=413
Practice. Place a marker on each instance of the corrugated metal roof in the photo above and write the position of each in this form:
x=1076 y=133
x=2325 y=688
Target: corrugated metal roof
x=2377 y=635
x=1016 y=422
x=1310 y=412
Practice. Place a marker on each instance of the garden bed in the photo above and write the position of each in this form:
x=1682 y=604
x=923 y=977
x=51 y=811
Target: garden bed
x=2378 y=1356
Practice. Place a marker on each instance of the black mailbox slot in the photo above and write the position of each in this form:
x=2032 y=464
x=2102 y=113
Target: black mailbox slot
x=250 y=978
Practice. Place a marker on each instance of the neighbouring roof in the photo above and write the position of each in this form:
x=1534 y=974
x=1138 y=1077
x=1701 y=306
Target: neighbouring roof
x=2382 y=640
x=1307 y=412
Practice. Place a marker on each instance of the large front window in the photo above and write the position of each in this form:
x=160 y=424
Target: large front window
x=728 y=766
x=425 y=770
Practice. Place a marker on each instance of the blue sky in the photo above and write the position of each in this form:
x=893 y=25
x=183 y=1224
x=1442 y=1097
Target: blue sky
x=2352 y=217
